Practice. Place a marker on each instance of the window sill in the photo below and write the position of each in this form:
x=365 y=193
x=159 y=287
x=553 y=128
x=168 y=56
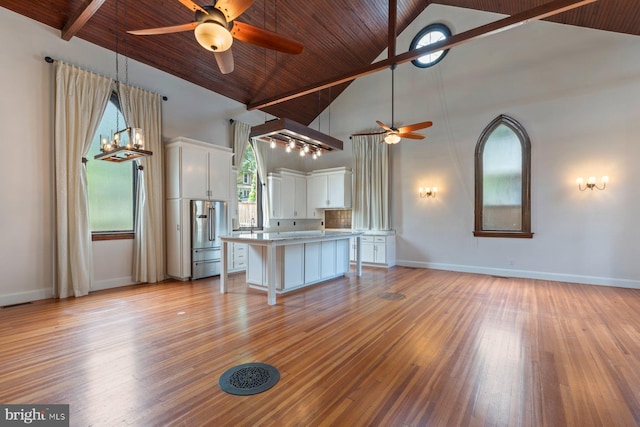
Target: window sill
x=112 y=236
x=510 y=234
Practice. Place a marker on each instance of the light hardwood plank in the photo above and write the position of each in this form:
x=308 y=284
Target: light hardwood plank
x=460 y=349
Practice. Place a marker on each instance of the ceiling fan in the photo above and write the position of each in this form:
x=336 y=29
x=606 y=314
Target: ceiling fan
x=215 y=28
x=393 y=135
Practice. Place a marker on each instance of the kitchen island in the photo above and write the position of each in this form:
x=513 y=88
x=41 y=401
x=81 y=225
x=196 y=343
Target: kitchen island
x=280 y=262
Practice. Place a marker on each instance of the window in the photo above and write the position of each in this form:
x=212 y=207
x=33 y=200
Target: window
x=428 y=35
x=503 y=177
x=111 y=186
x=246 y=178
x=249 y=191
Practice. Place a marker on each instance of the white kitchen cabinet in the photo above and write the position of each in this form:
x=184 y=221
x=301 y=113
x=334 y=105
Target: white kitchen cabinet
x=197 y=170
x=289 y=266
x=289 y=201
x=298 y=264
x=237 y=257
x=328 y=259
x=294 y=195
x=256 y=259
x=275 y=195
x=178 y=239
x=367 y=252
x=342 y=256
x=293 y=270
x=312 y=253
x=377 y=250
x=316 y=195
x=328 y=189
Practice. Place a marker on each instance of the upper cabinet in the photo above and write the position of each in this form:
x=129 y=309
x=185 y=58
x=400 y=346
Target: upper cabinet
x=274 y=182
x=288 y=194
x=294 y=194
x=298 y=195
x=328 y=189
x=197 y=170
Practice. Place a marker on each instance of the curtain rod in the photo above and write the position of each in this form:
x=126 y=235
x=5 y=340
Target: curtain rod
x=50 y=60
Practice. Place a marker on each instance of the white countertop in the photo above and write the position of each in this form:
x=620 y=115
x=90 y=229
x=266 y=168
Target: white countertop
x=368 y=232
x=281 y=236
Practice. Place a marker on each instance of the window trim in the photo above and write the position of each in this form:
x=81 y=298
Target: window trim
x=525 y=142
x=437 y=26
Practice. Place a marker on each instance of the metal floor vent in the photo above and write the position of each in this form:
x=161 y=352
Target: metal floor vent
x=394 y=296
x=249 y=378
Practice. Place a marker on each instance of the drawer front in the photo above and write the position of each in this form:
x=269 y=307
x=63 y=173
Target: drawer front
x=367 y=239
x=205 y=254
x=380 y=239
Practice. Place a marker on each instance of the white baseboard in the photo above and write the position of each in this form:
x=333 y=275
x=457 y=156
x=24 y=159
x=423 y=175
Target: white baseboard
x=117 y=282
x=38 y=294
x=22 y=297
x=526 y=274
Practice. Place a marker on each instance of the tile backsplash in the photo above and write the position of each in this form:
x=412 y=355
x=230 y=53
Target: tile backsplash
x=337 y=218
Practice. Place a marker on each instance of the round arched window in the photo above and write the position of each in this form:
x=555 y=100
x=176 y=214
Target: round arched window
x=430 y=34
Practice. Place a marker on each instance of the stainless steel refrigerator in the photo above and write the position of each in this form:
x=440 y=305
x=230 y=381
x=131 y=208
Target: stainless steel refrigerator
x=208 y=223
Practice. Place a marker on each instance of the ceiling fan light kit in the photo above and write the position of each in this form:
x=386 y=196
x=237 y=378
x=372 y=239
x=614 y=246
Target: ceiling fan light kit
x=215 y=28
x=393 y=135
x=213 y=36
x=392 y=138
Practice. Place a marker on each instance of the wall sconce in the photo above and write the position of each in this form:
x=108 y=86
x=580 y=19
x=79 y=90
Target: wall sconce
x=591 y=183
x=428 y=192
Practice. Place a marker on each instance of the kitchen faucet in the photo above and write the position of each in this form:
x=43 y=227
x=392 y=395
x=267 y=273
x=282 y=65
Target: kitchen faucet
x=253 y=220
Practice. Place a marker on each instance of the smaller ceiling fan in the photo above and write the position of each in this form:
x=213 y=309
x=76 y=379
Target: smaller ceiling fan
x=214 y=28
x=393 y=135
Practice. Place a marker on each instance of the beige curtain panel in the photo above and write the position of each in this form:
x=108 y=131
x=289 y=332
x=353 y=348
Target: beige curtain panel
x=370 y=183
x=80 y=100
x=143 y=109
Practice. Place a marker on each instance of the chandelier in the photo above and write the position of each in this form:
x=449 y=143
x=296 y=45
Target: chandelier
x=126 y=144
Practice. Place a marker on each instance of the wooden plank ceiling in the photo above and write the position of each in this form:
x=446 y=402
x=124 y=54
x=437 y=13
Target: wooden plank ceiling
x=339 y=36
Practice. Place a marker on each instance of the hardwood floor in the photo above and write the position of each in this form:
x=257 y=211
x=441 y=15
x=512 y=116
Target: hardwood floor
x=459 y=350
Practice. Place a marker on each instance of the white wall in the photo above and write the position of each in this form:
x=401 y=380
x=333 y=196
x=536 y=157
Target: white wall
x=575 y=90
x=26 y=164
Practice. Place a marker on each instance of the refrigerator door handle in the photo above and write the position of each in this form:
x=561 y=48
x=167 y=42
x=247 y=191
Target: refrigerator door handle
x=211 y=223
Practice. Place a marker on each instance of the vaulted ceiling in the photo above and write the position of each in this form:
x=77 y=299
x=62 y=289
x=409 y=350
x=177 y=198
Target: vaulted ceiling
x=338 y=36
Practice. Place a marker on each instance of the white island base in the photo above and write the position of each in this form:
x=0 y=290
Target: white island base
x=284 y=262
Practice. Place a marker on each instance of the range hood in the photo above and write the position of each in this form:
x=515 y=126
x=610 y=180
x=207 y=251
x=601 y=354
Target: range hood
x=287 y=132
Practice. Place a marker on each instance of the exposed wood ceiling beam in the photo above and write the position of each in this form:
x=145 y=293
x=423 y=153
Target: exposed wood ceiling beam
x=541 y=12
x=393 y=12
x=76 y=22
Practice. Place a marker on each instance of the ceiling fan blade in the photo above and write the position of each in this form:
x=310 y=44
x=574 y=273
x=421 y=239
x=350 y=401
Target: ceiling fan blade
x=225 y=61
x=165 y=30
x=233 y=8
x=265 y=38
x=411 y=135
x=367 y=134
x=191 y=5
x=417 y=126
x=383 y=126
